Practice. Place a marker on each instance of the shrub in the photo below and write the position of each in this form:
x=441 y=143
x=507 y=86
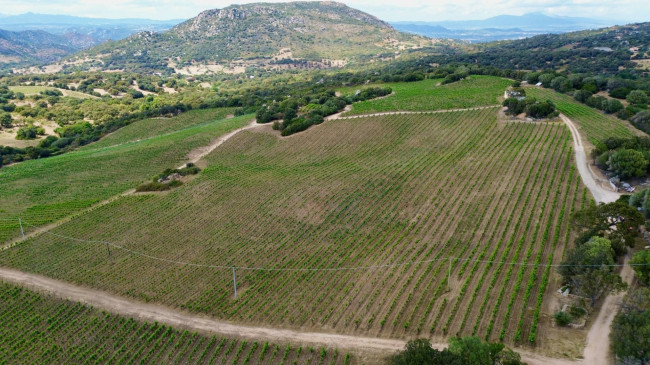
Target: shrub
x=562 y=318
x=28 y=132
x=577 y=312
x=156 y=186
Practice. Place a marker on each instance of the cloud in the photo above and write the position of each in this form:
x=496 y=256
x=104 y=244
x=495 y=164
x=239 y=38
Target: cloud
x=431 y=10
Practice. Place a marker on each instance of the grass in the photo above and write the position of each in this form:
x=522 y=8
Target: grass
x=47 y=330
x=34 y=90
x=362 y=192
x=593 y=124
x=41 y=191
x=428 y=95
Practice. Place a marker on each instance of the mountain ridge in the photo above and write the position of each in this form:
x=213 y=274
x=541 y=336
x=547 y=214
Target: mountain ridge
x=276 y=35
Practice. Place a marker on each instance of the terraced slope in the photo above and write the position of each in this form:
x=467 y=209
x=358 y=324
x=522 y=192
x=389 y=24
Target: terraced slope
x=354 y=223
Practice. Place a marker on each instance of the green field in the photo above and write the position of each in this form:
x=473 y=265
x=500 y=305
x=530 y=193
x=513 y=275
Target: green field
x=361 y=193
x=593 y=124
x=35 y=90
x=44 y=190
x=154 y=127
x=39 y=329
x=428 y=95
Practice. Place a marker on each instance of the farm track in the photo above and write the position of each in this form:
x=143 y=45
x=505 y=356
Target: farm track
x=601 y=195
x=595 y=351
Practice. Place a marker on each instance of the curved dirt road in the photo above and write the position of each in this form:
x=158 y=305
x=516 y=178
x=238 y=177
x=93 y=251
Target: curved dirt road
x=150 y=312
x=601 y=195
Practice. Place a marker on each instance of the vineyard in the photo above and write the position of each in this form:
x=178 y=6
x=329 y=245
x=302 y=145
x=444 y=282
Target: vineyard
x=155 y=127
x=44 y=190
x=351 y=227
x=36 y=328
x=593 y=124
x=430 y=95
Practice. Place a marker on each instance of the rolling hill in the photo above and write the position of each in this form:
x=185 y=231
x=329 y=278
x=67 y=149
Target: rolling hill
x=280 y=36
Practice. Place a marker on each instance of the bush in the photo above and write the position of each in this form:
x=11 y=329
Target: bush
x=28 y=132
x=562 y=318
x=638 y=97
x=628 y=163
x=5 y=120
x=156 y=186
x=577 y=312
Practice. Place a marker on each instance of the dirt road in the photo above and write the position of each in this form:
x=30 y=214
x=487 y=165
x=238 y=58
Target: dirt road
x=150 y=312
x=197 y=154
x=601 y=194
x=597 y=350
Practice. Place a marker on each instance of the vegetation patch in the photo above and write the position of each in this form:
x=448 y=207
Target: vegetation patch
x=169 y=179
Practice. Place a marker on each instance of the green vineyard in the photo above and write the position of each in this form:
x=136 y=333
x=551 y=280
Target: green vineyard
x=45 y=190
x=594 y=124
x=349 y=226
x=430 y=95
x=36 y=328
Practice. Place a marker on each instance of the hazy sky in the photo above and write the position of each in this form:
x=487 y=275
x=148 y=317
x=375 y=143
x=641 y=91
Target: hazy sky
x=391 y=10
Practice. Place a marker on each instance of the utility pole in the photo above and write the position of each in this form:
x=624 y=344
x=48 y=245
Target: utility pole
x=22 y=231
x=234 y=281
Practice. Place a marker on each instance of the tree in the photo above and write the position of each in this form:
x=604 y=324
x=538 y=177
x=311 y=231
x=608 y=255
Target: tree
x=420 y=352
x=5 y=120
x=593 y=284
x=641 y=265
x=461 y=351
x=628 y=163
x=612 y=106
x=582 y=95
x=587 y=257
x=638 y=97
x=631 y=328
x=561 y=84
x=471 y=350
x=617 y=222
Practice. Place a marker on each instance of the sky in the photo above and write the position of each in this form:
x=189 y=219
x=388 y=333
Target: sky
x=389 y=10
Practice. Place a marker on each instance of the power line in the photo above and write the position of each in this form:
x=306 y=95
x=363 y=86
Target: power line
x=348 y=268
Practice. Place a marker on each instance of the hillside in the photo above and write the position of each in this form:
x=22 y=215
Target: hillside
x=608 y=50
x=37 y=46
x=277 y=36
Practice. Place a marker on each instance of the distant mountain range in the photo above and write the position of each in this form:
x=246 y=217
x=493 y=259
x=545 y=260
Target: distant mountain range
x=501 y=27
x=99 y=29
x=30 y=39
